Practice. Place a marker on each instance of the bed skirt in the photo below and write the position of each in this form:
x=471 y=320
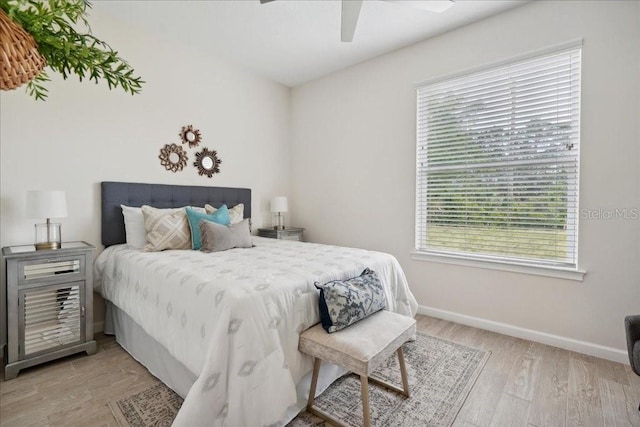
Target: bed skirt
x=155 y=357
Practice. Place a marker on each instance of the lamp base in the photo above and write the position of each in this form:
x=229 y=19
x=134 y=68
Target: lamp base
x=48 y=236
x=278 y=221
x=47 y=246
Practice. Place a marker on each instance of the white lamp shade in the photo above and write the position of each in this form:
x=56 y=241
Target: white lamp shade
x=46 y=204
x=279 y=204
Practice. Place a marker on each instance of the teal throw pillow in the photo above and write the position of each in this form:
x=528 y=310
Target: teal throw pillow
x=220 y=216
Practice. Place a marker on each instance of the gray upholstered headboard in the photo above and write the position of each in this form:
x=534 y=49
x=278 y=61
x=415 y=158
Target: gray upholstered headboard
x=115 y=194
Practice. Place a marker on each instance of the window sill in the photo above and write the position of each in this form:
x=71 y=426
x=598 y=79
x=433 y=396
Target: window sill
x=537 y=270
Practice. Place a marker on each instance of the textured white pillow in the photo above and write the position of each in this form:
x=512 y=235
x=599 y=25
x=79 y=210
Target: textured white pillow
x=134 y=225
x=166 y=229
x=236 y=213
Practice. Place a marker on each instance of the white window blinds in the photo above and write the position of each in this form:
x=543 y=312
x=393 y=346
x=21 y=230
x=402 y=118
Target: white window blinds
x=498 y=162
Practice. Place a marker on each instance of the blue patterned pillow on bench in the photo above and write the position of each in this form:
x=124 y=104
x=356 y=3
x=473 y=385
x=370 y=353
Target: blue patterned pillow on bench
x=344 y=302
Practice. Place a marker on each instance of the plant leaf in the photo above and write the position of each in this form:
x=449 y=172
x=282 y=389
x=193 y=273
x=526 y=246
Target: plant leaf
x=53 y=25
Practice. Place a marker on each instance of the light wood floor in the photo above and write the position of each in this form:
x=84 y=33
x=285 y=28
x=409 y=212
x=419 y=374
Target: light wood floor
x=523 y=384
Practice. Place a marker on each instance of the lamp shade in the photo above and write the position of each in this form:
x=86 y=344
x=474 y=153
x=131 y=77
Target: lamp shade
x=279 y=204
x=46 y=204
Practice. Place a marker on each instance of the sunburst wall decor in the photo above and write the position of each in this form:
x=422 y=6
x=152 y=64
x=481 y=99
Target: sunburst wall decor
x=190 y=136
x=207 y=162
x=173 y=157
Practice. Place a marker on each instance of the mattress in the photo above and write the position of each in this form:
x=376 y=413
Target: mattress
x=233 y=318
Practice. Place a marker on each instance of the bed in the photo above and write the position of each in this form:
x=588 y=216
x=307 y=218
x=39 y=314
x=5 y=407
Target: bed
x=221 y=329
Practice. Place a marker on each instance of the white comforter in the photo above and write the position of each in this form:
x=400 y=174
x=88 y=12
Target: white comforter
x=233 y=318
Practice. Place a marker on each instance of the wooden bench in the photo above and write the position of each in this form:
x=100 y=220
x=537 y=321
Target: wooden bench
x=361 y=348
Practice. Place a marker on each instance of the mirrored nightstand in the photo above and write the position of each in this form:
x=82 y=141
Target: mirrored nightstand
x=49 y=304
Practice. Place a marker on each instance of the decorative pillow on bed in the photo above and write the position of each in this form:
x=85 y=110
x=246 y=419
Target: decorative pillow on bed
x=220 y=216
x=166 y=229
x=236 y=213
x=217 y=237
x=344 y=302
x=134 y=227
x=134 y=224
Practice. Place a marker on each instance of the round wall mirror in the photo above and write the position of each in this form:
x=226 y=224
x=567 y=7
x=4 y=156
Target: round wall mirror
x=173 y=157
x=190 y=136
x=207 y=162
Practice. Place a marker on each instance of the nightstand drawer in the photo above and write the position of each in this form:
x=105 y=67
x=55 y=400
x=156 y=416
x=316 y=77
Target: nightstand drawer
x=51 y=269
x=290 y=236
x=289 y=233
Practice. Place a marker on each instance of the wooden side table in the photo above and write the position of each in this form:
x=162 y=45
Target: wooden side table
x=49 y=304
x=289 y=233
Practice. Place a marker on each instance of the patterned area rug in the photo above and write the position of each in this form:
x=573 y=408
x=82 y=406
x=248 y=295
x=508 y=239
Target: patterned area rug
x=441 y=375
x=156 y=406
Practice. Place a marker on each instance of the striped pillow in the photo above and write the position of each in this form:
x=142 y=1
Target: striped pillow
x=166 y=229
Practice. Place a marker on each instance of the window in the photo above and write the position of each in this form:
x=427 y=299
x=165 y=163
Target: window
x=498 y=162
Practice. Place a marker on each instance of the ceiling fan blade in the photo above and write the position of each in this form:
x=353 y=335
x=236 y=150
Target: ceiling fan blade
x=266 y=1
x=350 y=14
x=437 y=6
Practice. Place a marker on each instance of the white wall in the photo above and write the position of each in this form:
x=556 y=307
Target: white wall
x=84 y=134
x=353 y=157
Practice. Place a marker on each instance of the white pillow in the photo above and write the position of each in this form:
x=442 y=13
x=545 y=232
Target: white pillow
x=134 y=225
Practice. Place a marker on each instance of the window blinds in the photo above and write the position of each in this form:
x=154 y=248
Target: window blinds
x=498 y=162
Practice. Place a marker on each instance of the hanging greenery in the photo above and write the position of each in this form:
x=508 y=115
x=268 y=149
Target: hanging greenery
x=54 y=26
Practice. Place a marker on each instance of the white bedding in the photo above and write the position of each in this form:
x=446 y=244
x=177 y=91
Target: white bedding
x=233 y=318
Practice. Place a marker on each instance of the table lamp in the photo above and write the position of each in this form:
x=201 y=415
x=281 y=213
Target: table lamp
x=279 y=205
x=47 y=204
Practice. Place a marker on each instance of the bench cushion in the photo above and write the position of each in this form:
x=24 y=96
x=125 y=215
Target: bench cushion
x=363 y=346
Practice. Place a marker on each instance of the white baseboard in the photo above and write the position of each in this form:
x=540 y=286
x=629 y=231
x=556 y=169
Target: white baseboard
x=584 y=347
x=98 y=326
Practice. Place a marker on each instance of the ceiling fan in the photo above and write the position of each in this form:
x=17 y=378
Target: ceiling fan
x=351 y=12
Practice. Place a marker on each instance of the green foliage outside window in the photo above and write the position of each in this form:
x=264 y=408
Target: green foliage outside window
x=536 y=195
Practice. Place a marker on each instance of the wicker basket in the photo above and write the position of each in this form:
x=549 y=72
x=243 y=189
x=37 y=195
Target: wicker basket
x=20 y=60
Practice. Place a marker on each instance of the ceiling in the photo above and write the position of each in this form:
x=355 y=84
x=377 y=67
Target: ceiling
x=295 y=41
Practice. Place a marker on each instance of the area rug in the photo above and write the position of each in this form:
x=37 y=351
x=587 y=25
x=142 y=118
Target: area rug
x=156 y=406
x=441 y=375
